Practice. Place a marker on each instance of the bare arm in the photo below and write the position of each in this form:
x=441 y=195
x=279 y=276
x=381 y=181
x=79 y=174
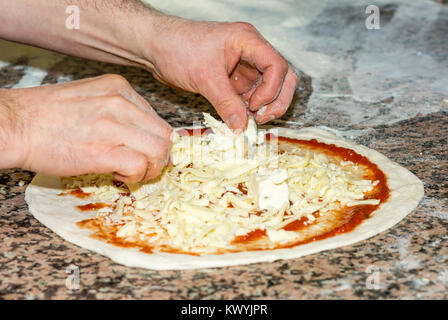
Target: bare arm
x=11 y=154
x=109 y=29
x=230 y=64
x=94 y=125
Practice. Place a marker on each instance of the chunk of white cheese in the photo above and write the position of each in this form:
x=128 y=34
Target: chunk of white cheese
x=270 y=191
x=251 y=132
x=127 y=230
x=141 y=190
x=281 y=235
x=218 y=127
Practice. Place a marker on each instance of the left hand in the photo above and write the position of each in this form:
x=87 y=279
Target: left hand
x=230 y=64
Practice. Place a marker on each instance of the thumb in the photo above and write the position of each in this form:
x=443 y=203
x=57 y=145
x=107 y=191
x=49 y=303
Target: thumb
x=227 y=102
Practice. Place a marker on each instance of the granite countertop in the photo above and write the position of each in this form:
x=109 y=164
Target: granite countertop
x=395 y=105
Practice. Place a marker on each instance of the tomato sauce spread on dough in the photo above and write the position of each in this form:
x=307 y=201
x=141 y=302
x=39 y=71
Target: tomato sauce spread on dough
x=344 y=220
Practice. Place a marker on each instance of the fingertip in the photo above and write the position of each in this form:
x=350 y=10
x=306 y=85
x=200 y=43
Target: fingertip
x=154 y=170
x=264 y=119
x=130 y=165
x=227 y=102
x=155 y=167
x=237 y=122
x=265 y=93
x=120 y=177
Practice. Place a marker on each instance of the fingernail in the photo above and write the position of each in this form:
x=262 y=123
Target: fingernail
x=120 y=177
x=262 y=110
x=267 y=119
x=235 y=122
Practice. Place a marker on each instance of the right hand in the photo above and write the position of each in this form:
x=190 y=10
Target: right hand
x=95 y=125
x=230 y=64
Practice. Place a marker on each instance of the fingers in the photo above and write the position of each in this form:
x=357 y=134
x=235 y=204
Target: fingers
x=141 y=132
x=227 y=102
x=274 y=69
x=139 y=112
x=279 y=106
x=128 y=165
x=96 y=125
x=91 y=87
x=270 y=95
x=107 y=85
x=135 y=155
x=141 y=138
x=155 y=149
x=245 y=78
x=128 y=107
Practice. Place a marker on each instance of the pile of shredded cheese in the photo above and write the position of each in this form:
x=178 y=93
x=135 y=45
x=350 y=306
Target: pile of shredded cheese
x=216 y=190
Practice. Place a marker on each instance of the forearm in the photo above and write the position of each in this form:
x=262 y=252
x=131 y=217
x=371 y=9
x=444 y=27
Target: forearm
x=110 y=30
x=230 y=64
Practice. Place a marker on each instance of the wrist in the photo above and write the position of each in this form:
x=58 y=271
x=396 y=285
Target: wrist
x=11 y=129
x=128 y=34
x=117 y=35
x=155 y=31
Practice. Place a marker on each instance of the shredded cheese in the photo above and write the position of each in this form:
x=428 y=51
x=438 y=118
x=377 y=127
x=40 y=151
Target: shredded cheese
x=216 y=191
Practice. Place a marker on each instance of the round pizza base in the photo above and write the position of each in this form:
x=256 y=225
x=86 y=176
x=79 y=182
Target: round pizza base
x=60 y=215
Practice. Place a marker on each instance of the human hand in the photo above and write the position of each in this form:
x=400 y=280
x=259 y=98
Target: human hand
x=230 y=64
x=95 y=125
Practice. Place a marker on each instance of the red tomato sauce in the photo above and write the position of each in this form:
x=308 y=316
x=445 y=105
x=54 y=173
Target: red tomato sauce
x=92 y=206
x=348 y=217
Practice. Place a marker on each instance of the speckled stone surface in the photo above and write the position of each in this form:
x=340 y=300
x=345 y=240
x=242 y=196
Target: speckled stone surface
x=409 y=261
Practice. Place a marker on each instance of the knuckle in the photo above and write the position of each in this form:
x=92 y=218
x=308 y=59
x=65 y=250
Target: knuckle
x=116 y=102
x=272 y=94
x=284 y=65
x=116 y=80
x=223 y=105
x=163 y=149
x=295 y=78
x=152 y=173
x=202 y=79
x=280 y=62
x=140 y=164
x=244 y=26
x=158 y=160
x=167 y=132
x=105 y=124
x=94 y=149
x=138 y=168
x=156 y=147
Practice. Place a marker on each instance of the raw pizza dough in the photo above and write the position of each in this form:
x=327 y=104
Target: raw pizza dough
x=60 y=215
